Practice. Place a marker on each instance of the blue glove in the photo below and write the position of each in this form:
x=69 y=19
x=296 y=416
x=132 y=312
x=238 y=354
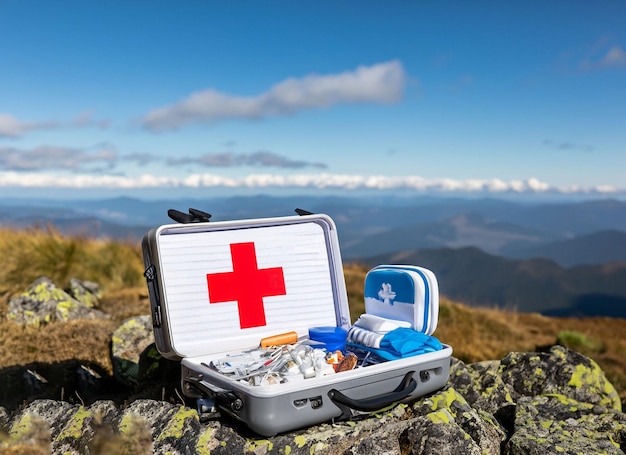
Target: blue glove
x=408 y=342
x=401 y=343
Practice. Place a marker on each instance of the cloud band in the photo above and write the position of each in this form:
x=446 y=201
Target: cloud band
x=302 y=181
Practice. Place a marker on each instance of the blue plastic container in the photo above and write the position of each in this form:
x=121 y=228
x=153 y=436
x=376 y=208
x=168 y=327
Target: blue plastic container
x=328 y=337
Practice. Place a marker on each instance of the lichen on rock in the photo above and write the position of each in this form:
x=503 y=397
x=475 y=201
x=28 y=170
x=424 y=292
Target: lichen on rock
x=481 y=385
x=559 y=371
x=558 y=424
x=43 y=302
x=86 y=292
x=450 y=407
x=128 y=343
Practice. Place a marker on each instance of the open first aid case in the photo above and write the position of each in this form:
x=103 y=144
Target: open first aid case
x=218 y=288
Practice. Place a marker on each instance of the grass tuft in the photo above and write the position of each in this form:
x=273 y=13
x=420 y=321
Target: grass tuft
x=580 y=342
x=30 y=254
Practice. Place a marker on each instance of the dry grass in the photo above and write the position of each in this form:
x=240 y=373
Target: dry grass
x=474 y=333
x=30 y=254
x=86 y=340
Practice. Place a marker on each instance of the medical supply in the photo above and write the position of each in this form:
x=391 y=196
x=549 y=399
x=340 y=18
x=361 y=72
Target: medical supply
x=328 y=337
x=397 y=344
x=278 y=340
x=370 y=329
x=379 y=324
x=347 y=363
x=272 y=365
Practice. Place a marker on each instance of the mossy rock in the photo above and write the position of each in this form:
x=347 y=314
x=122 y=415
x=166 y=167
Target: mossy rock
x=131 y=342
x=86 y=292
x=560 y=371
x=558 y=424
x=136 y=361
x=481 y=385
x=450 y=407
x=43 y=302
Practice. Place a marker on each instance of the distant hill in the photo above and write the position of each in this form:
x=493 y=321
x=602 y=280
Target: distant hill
x=75 y=224
x=596 y=248
x=462 y=230
x=533 y=285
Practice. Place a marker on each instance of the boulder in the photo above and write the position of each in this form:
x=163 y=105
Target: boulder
x=558 y=424
x=136 y=360
x=482 y=385
x=43 y=302
x=450 y=412
x=128 y=343
x=558 y=371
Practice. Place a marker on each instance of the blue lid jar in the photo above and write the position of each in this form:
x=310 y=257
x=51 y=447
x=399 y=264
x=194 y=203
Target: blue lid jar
x=332 y=338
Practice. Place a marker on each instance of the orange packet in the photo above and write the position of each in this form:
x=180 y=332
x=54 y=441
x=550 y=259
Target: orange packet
x=278 y=340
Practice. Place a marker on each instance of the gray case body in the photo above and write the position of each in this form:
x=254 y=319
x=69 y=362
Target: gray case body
x=191 y=327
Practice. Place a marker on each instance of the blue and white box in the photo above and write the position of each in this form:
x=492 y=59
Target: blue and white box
x=403 y=293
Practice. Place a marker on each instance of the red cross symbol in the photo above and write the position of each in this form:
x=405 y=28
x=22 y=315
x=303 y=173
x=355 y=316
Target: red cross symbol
x=247 y=284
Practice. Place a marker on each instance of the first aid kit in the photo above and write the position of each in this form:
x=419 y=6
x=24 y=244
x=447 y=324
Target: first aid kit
x=256 y=311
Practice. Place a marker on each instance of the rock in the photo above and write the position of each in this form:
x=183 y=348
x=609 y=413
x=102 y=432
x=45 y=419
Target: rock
x=136 y=360
x=4 y=419
x=41 y=423
x=132 y=340
x=174 y=428
x=30 y=434
x=437 y=433
x=527 y=403
x=481 y=384
x=43 y=302
x=557 y=424
x=559 y=371
x=449 y=409
x=86 y=292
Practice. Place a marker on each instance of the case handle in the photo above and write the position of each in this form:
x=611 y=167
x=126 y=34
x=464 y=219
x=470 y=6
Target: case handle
x=194 y=216
x=406 y=387
x=153 y=292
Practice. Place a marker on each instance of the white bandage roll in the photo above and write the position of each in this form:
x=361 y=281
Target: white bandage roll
x=379 y=325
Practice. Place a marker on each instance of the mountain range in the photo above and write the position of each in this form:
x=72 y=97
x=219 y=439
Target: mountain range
x=471 y=276
x=549 y=257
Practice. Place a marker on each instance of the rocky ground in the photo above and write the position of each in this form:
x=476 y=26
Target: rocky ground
x=555 y=401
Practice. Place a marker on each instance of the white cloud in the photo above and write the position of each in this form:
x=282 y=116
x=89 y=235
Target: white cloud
x=256 y=159
x=36 y=180
x=302 y=181
x=11 y=127
x=380 y=83
x=51 y=157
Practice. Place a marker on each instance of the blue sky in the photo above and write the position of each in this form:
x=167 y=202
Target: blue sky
x=170 y=98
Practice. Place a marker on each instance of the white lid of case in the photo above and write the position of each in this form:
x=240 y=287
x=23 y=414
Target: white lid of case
x=228 y=284
x=404 y=293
